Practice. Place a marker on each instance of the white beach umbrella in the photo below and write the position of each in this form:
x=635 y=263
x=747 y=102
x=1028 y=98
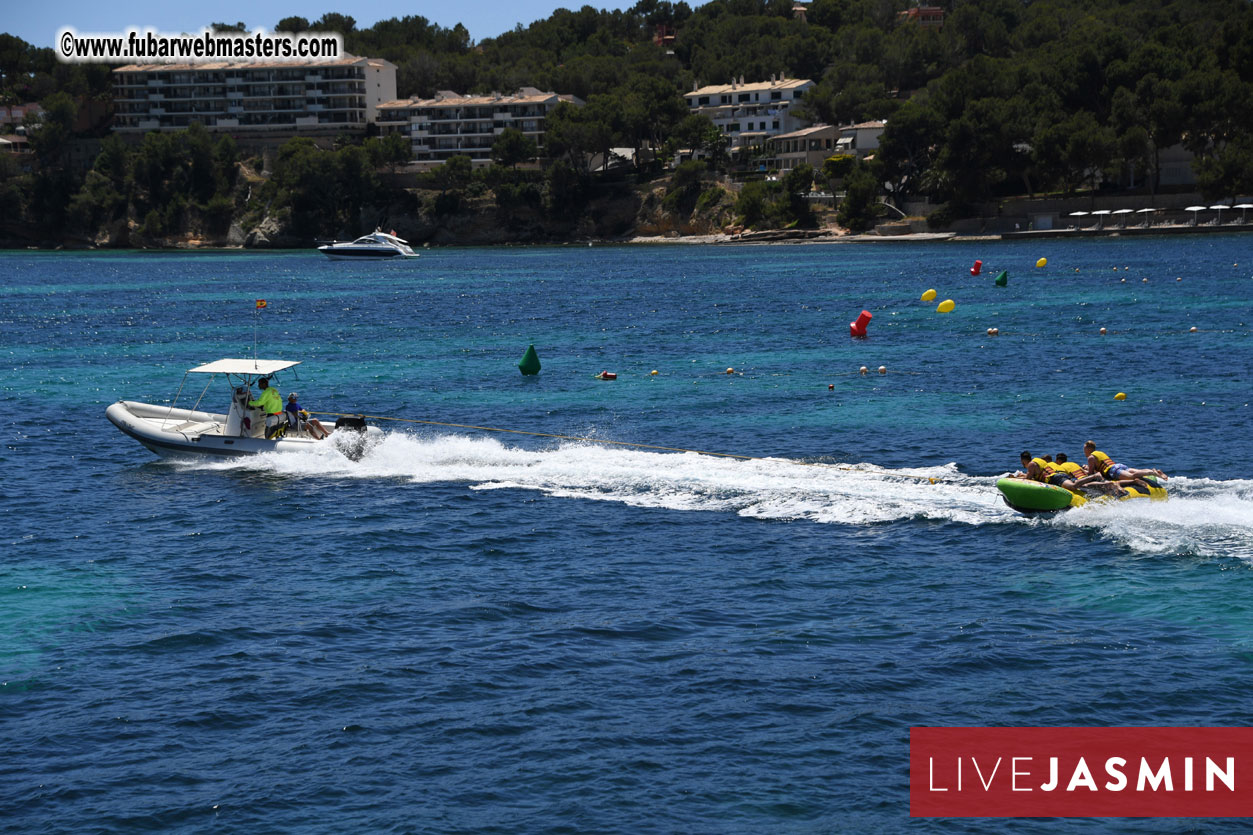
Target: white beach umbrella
x=1077 y=214
x=1194 y=210
x=1099 y=214
x=1123 y=215
x=1219 y=208
x=1242 y=207
x=1147 y=220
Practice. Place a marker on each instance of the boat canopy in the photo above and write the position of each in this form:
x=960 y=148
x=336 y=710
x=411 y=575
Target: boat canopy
x=260 y=368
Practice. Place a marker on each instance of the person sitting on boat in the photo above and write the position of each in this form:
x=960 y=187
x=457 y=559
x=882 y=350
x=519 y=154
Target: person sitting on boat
x=1099 y=462
x=300 y=419
x=270 y=402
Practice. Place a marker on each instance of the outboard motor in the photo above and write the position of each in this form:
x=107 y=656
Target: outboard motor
x=356 y=424
x=238 y=422
x=350 y=436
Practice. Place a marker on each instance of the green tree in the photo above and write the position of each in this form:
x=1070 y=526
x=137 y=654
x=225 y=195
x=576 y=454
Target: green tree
x=50 y=135
x=858 y=211
x=512 y=146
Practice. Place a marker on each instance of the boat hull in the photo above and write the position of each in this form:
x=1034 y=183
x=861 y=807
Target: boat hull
x=1033 y=497
x=183 y=433
x=362 y=254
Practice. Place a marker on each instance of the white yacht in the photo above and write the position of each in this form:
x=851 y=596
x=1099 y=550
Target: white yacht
x=179 y=432
x=377 y=244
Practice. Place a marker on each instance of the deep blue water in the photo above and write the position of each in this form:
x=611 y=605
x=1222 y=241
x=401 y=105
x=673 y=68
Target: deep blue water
x=470 y=631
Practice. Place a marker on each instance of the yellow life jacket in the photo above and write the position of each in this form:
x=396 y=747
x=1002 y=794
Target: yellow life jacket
x=1051 y=469
x=1071 y=469
x=1041 y=463
x=1103 y=461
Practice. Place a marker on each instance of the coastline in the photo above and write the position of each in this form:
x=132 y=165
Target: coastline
x=829 y=237
x=769 y=237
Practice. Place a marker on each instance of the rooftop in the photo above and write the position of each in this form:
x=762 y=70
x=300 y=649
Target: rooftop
x=343 y=61
x=777 y=84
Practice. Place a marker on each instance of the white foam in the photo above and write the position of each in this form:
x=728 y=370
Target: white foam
x=1203 y=516
x=761 y=488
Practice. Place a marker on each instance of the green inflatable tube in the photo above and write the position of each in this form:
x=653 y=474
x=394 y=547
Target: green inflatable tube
x=1035 y=497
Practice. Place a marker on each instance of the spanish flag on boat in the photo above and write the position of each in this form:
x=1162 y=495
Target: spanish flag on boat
x=260 y=303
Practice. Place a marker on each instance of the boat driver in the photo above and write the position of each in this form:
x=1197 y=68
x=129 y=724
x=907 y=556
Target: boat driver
x=270 y=402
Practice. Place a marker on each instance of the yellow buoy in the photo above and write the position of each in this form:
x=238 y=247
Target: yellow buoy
x=863 y=370
x=946 y=306
x=1192 y=329
x=730 y=370
x=1122 y=395
x=1041 y=262
x=928 y=296
x=653 y=372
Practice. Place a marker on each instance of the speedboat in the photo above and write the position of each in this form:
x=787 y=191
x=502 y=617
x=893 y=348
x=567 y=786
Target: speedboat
x=176 y=432
x=1036 y=497
x=377 y=244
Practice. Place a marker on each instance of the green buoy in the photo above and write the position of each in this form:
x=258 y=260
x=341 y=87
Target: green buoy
x=1002 y=278
x=529 y=364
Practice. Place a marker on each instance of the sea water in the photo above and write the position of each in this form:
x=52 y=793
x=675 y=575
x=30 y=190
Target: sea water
x=472 y=630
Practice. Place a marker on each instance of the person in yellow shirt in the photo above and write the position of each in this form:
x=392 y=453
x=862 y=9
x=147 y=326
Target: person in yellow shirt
x=1099 y=462
x=1063 y=472
x=270 y=402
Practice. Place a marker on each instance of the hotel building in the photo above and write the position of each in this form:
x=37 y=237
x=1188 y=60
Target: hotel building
x=313 y=97
x=450 y=123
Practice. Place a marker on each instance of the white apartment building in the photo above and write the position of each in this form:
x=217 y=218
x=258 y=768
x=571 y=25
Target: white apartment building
x=861 y=139
x=308 y=97
x=452 y=124
x=747 y=114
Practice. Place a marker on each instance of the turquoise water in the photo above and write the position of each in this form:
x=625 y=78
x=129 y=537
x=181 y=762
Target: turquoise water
x=486 y=631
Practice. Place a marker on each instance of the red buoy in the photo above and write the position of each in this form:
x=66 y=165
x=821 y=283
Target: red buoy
x=976 y=268
x=858 y=328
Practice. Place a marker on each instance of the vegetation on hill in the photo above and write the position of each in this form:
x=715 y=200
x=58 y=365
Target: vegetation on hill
x=1005 y=98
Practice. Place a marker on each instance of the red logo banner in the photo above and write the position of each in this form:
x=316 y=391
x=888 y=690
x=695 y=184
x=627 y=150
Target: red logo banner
x=1081 y=772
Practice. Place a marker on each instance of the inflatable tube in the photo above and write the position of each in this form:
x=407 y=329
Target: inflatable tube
x=1034 y=497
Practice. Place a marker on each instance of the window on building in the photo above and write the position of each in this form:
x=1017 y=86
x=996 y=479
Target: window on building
x=743 y=97
x=703 y=100
x=775 y=95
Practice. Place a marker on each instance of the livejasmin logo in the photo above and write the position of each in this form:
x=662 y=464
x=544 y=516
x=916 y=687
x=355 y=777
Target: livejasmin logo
x=1081 y=777
x=1086 y=772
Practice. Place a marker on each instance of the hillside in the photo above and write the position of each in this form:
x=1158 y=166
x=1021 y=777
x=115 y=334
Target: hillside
x=1059 y=97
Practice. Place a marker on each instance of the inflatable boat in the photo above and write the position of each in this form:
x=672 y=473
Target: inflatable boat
x=1034 y=497
x=170 y=431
